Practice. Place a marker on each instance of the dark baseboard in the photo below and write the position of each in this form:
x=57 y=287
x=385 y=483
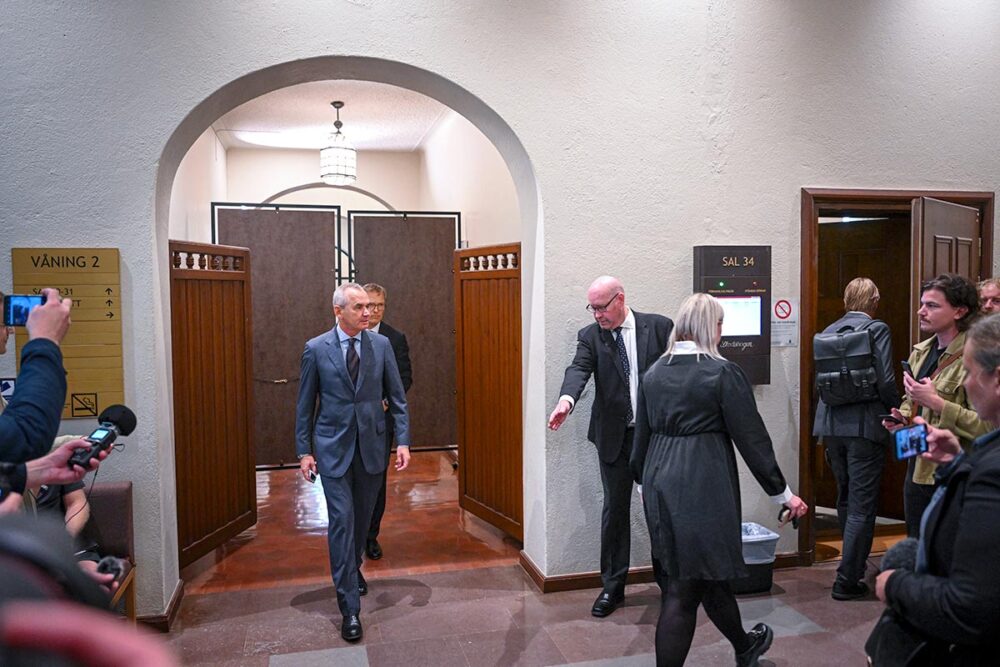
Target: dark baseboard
x=162 y=622
x=636 y=575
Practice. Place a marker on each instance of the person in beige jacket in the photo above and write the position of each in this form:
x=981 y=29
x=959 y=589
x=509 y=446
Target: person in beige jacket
x=948 y=305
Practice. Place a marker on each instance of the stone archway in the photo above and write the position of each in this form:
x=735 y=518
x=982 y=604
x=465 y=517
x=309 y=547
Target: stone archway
x=519 y=164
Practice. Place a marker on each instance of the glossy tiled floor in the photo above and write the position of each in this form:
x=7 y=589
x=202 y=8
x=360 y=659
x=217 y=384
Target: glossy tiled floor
x=423 y=531
x=448 y=592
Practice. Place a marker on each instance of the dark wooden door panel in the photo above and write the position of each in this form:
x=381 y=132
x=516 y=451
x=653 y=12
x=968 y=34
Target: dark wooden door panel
x=488 y=358
x=946 y=239
x=293 y=275
x=412 y=258
x=878 y=250
x=211 y=339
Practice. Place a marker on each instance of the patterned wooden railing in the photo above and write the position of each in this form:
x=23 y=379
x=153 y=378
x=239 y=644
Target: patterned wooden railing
x=193 y=256
x=495 y=258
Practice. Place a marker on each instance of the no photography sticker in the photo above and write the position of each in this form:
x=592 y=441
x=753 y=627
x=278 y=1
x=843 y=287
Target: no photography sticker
x=783 y=309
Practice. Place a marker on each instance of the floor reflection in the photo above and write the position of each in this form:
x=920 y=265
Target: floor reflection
x=423 y=531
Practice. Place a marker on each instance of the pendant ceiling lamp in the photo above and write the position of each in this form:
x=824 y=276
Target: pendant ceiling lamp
x=338 y=162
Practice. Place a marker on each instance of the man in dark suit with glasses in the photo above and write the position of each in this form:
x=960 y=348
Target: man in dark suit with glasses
x=377 y=297
x=616 y=349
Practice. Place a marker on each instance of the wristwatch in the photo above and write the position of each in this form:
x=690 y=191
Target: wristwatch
x=302 y=456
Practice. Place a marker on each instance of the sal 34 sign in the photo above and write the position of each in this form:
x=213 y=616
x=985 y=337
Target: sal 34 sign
x=92 y=350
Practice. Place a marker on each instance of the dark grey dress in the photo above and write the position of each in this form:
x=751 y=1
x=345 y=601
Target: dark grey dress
x=691 y=409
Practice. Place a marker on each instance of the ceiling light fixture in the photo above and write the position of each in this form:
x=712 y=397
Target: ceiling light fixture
x=338 y=162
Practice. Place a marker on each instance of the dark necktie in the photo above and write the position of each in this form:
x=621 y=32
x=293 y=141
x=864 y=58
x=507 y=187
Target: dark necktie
x=623 y=355
x=353 y=361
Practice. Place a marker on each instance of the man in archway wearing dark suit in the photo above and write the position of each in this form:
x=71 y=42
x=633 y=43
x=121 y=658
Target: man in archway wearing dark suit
x=340 y=435
x=616 y=349
x=377 y=297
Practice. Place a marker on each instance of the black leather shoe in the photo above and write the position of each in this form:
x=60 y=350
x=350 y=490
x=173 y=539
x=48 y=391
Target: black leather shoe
x=605 y=604
x=373 y=549
x=842 y=591
x=760 y=637
x=362 y=584
x=350 y=629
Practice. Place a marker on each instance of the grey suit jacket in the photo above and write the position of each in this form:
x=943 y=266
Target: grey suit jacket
x=861 y=420
x=332 y=415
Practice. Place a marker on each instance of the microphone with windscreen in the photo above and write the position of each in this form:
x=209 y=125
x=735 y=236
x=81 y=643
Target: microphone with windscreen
x=901 y=556
x=115 y=420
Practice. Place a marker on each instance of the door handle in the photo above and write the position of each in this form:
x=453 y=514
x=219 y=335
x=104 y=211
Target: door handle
x=278 y=381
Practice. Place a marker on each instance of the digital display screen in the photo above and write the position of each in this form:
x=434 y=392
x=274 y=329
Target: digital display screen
x=742 y=316
x=100 y=434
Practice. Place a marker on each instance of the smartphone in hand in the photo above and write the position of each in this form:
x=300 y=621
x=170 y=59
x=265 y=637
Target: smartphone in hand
x=910 y=441
x=891 y=418
x=907 y=369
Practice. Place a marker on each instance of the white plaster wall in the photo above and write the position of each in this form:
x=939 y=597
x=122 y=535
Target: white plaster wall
x=200 y=180
x=462 y=171
x=258 y=174
x=651 y=127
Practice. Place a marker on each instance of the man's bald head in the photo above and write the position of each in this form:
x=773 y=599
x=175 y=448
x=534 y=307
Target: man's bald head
x=606 y=285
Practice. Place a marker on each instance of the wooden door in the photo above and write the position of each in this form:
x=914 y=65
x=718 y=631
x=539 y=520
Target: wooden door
x=294 y=277
x=876 y=249
x=488 y=361
x=411 y=257
x=211 y=336
x=946 y=239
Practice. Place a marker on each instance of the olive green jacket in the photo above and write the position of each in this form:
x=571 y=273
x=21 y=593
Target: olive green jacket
x=957 y=416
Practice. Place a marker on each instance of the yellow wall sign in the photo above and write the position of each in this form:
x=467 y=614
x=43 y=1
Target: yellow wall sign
x=92 y=350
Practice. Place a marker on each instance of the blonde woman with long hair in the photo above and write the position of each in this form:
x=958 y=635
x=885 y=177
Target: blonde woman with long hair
x=693 y=406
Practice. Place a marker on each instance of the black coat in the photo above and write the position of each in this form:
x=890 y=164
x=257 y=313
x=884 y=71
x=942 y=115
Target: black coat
x=401 y=350
x=861 y=420
x=29 y=423
x=691 y=412
x=597 y=355
x=957 y=601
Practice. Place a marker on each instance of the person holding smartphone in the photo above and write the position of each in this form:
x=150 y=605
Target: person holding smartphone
x=950 y=601
x=934 y=388
x=29 y=423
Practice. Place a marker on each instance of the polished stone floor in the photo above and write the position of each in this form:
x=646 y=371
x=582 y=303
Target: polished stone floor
x=449 y=592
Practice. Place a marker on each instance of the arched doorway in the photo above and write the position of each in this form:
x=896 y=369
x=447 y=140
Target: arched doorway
x=446 y=92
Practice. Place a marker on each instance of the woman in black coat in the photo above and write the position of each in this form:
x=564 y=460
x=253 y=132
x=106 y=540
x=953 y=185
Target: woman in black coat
x=952 y=599
x=693 y=405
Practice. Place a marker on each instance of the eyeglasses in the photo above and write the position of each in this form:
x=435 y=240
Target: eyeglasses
x=602 y=309
x=376 y=306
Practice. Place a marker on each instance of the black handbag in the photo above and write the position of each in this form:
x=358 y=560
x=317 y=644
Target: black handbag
x=895 y=643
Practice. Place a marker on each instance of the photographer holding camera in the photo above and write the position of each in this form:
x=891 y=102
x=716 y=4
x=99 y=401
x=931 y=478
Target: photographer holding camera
x=946 y=609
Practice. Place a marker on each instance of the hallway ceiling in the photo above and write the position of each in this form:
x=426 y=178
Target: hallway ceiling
x=376 y=117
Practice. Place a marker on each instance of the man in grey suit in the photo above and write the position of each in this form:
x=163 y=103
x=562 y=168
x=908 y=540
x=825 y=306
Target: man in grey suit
x=340 y=435
x=855 y=441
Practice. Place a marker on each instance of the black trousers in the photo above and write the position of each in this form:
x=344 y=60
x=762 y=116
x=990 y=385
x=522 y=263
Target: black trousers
x=857 y=466
x=616 y=534
x=379 y=511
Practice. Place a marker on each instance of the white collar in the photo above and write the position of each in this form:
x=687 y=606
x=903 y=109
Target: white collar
x=629 y=321
x=686 y=347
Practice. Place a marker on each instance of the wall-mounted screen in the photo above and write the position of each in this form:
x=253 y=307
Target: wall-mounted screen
x=742 y=316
